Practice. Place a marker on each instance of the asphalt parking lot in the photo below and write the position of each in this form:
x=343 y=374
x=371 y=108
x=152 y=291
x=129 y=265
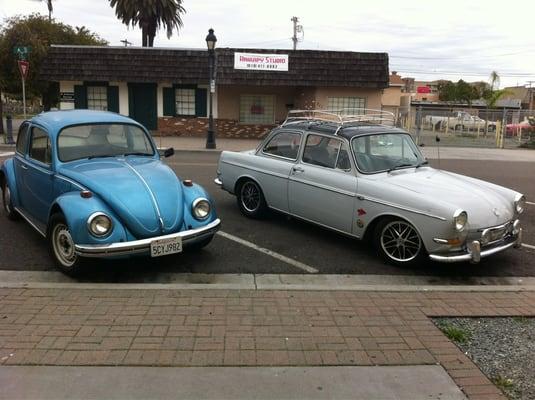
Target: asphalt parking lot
x=278 y=244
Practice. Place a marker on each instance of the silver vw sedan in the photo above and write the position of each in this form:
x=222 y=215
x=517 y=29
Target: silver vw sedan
x=363 y=177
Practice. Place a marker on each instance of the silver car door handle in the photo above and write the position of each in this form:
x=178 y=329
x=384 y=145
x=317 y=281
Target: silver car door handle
x=298 y=169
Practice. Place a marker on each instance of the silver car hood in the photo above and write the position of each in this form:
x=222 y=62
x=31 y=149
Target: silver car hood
x=486 y=204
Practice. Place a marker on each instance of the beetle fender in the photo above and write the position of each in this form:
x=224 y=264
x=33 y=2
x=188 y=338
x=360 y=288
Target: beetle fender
x=7 y=175
x=192 y=193
x=77 y=211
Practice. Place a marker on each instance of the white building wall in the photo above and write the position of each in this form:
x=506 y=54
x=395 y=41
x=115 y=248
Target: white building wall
x=123 y=97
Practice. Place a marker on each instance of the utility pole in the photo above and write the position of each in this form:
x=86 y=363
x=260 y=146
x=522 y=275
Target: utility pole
x=297 y=29
x=531 y=95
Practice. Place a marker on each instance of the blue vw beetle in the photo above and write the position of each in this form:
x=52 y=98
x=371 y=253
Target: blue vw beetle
x=93 y=184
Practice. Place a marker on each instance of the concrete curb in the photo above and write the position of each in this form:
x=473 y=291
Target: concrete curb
x=383 y=283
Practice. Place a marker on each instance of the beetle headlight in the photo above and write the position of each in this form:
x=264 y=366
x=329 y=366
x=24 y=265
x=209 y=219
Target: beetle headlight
x=201 y=208
x=520 y=203
x=99 y=224
x=460 y=218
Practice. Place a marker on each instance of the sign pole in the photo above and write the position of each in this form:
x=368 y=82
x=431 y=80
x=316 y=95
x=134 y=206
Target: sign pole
x=24 y=97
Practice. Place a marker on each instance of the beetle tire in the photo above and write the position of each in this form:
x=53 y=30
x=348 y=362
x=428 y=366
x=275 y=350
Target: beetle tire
x=7 y=204
x=61 y=246
x=403 y=254
x=251 y=199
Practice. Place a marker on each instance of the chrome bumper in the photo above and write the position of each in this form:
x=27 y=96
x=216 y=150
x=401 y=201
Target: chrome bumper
x=143 y=246
x=474 y=253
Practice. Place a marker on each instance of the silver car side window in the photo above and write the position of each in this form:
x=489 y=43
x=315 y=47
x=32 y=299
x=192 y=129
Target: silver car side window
x=326 y=152
x=284 y=144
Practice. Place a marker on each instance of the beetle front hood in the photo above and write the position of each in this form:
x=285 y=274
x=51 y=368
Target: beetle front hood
x=139 y=190
x=486 y=204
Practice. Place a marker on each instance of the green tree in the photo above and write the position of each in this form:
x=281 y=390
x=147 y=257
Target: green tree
x=37 y=32
x=150 y=15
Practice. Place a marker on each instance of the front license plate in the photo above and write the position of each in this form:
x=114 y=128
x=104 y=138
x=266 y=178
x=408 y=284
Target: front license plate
x=163 y=247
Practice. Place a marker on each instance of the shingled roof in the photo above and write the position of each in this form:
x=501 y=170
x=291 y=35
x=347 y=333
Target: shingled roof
x=190 y=66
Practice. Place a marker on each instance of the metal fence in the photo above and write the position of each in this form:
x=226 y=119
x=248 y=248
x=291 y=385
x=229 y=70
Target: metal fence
x=496 y=128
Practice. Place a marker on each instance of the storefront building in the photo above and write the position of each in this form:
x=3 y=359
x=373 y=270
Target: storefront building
x=167 y=90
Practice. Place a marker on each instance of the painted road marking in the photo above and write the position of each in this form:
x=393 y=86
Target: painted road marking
x=271 y=253
x=6 y=154
x=530 y=203
x=529 y=246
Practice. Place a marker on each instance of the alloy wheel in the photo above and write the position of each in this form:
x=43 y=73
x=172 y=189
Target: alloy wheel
x=400 y=241
x=250 y=196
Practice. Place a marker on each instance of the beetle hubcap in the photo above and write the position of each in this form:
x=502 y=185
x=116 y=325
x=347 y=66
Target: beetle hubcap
x=400 y=241
x=250 y=196
x=63 y=245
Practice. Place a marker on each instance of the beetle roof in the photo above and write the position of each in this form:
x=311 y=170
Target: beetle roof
x=348 y=131
x=54 y=121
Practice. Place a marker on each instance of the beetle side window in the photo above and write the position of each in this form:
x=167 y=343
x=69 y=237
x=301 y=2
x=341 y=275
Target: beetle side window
x=40 y=146
x=284 y=144
x=326 y=152
x=22 y=138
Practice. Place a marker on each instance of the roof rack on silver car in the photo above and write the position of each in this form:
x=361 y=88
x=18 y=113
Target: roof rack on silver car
x=341 y=118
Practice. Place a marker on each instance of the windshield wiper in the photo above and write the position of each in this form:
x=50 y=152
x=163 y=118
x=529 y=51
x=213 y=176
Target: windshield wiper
x=399 y=166
x=422 y=164
x=101 y=156
x=137 y=154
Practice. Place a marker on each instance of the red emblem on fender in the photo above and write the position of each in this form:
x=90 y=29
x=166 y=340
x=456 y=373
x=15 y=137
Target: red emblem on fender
x=361 y=212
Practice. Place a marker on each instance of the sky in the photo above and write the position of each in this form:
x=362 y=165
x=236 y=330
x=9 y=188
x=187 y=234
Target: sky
x=426 y=40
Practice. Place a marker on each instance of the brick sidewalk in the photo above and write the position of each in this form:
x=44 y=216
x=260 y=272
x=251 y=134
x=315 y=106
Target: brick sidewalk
x=245 y=328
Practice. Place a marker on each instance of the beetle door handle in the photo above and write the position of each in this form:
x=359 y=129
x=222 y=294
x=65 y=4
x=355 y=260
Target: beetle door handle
x=23 y=166
x=298 y=169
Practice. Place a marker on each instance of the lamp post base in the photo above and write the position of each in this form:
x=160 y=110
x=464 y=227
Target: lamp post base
x=210 y=140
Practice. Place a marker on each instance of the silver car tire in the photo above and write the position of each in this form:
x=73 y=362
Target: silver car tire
x=398 y=242
x=251 y=199
x=61 y=246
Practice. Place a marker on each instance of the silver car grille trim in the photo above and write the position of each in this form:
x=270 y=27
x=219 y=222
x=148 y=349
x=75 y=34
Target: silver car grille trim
x=256 y=169
x=319 y=185
x=412 y=210
x=28 y=220
x=154 y=202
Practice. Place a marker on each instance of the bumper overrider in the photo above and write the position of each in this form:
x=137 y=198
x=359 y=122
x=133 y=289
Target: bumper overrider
x=189 y=237
x=475 y=251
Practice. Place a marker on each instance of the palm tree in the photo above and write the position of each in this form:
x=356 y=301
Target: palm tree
x=150 y=15
x=494 y=94
x=50 y=8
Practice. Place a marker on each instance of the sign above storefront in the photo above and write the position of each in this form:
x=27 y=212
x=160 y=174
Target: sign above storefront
x=261 y=62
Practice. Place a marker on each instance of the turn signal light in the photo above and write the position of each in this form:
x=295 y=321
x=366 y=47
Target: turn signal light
x=86 y=194
x=454 y=242
x=188 y=182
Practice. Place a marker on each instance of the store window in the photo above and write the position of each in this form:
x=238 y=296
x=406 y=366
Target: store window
x=257 y=109
x=97 y=98
x=185 y=101
x=341 y=103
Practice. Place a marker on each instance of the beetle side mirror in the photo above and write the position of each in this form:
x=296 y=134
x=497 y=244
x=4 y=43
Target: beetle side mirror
x=166 y=152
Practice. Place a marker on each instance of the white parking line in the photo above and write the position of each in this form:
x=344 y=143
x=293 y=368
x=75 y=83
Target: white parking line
x=271 y=253
x=6 y=154
x=530 y=203
x=529 y=246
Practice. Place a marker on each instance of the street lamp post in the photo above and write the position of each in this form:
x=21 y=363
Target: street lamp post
x=210 y=43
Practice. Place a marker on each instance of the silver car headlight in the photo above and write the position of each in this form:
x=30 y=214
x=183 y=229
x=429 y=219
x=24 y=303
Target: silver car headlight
x=99 y=224
x=460 y=218
x=520 y=203
x=201 y=208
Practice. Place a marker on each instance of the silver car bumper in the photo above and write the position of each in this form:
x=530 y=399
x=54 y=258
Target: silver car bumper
x=474 y=253
x=189 y=237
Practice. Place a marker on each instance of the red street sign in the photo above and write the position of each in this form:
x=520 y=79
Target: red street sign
x=423 y=89
x=24 y=67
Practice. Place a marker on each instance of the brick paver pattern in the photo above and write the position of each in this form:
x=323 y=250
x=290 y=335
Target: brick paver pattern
x=245 y=328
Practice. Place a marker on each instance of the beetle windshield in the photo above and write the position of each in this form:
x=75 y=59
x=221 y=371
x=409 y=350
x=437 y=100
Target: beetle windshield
x=385 y=152
x=102 y=140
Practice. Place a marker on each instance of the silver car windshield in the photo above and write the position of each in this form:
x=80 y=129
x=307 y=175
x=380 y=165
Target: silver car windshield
x=102 y=140
x=385 y=152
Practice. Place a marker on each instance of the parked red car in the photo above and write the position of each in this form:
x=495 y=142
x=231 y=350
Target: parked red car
x=528 y=125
